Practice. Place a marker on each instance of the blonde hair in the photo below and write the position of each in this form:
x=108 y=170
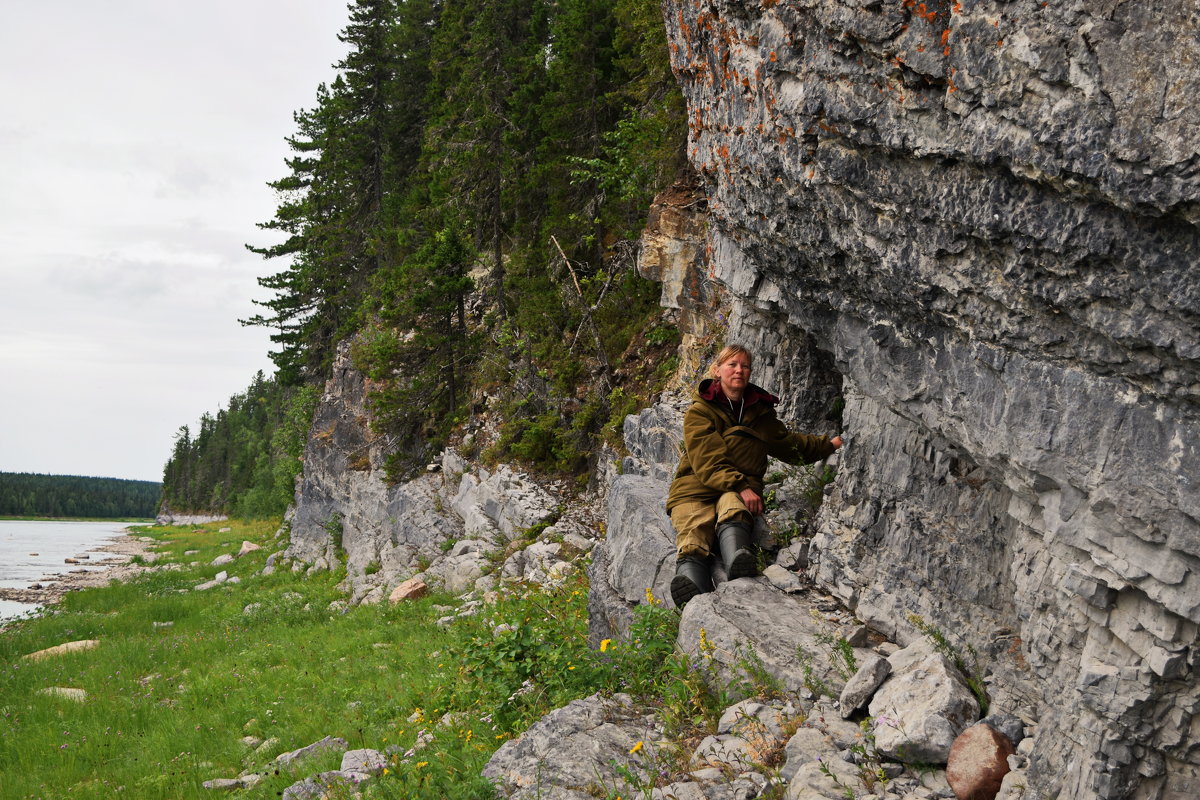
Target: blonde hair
x=728 y=352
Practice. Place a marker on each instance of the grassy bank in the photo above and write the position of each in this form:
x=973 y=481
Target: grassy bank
x=181 y=677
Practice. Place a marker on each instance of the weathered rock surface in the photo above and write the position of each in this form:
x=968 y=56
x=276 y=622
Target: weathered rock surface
x=922 y=706
x=871 y=673
x=640 y=542
x=573 y=752
x=443 y=524
x=673 y=250
x=748 y=623
x=982 y=217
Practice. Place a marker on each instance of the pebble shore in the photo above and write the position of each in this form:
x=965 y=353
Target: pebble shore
x=117 y=565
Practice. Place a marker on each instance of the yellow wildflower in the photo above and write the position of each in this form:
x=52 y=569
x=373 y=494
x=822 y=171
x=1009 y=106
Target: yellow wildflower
x=604 y=643
x=650 y=597
x=422 y=764
x=636 y=747
x=386 y=771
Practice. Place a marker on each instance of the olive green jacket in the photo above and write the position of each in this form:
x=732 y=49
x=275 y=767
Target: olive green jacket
x=722 y=455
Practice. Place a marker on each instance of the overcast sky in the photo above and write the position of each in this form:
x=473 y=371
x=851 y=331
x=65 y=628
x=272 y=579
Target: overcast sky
x=136 y=140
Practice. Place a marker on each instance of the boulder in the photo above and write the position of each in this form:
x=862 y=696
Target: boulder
x=859 y=689
x=806 y=746
x=978 y=762
x=754 y=720
x=577 y=750
x=922 y=706
x=749 y=620
x=248 y=547
x=326 y=784
x=461 y=567
x=783 y=579
x=62 y=649
x=66 y=692
x=411 y=589
x=725 y=752
x=826 y=778
x=223 y=784
x=326 y=745
x=371 y=762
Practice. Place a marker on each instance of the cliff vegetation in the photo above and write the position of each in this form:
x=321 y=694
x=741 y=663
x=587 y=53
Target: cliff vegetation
x=461 y=203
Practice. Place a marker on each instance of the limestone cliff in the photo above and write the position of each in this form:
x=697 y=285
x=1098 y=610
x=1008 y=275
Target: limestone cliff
x=981 y=218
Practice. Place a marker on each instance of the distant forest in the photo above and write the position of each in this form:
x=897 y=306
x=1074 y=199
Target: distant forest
x=29 y=495
x=462 y=206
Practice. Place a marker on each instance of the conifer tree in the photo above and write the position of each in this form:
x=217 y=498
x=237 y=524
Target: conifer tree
x=354 y=151
x=487 y=74
x=421 y=350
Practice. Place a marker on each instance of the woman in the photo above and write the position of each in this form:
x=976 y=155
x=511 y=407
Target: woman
x=728 y=433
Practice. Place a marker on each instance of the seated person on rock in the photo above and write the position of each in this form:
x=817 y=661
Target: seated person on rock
x=728 y=433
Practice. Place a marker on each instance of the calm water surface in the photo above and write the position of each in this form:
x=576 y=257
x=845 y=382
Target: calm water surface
x=30 y=550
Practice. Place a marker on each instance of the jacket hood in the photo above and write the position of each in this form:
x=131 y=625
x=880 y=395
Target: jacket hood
x=710 y=390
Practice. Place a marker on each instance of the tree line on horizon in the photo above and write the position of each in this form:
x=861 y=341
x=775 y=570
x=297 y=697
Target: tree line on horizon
x=33 y=495
x=461 y=204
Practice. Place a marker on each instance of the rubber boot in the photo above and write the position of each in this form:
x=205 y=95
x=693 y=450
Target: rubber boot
x=737 y=552
x=693 y=576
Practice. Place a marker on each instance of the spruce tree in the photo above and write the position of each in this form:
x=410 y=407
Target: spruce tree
x=354 y=153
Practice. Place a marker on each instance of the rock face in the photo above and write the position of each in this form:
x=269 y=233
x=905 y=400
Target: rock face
x=343 y=506
x=979 y=220
x=440 y=525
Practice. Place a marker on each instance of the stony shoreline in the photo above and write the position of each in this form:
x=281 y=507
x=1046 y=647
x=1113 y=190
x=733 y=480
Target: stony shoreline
x=117 y=565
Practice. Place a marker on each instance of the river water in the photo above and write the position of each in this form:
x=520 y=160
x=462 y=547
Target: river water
x=32 y=549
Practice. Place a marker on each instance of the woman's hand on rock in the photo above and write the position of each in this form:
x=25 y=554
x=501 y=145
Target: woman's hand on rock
x=754 y=503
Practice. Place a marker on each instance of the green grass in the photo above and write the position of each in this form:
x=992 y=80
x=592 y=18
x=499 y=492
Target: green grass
x=168 y=706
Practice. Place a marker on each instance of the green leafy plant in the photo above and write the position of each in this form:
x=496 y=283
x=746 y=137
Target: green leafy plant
x=813 y=682
x=335 y=528
x=841 y=654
